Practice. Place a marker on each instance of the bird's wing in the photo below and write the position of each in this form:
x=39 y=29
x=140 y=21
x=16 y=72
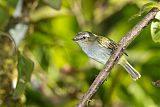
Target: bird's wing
x=108 y=43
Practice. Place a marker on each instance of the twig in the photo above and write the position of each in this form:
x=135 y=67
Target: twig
x=12 y=39
x=125 y=41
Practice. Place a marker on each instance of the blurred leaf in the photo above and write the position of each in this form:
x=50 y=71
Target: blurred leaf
x=56 y=4
x=45 y=60
x=36 y=97
x=155 y=28
x=4 y=18
x=144 y=8
x=25 y=68
x=64 y=27
x=149 y=5
x=12 y=3
x=12 y=39
x=46 y=12
x=87 y=9
x=42 y=55
x=134 y=16
x=38 y=38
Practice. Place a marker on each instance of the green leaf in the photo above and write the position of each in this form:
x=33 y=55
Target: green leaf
x=149 y=5
x=4 y=18
x=144 y=8
x=25 y=68
x=56 y=4
x=155 y=28
x=134 y=16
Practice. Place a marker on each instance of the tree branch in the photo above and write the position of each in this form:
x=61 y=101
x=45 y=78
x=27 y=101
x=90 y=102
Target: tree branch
x=122 y=45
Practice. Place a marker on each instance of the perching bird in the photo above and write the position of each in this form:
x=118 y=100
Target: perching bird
x=100 y=49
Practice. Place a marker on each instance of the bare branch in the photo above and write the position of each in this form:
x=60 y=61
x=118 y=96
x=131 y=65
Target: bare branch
x=125 y=41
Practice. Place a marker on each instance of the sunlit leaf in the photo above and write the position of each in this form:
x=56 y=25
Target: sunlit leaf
x=149 y=5
x=56 y=4
x=144 y=8
x=155 y=28
x=25 y=68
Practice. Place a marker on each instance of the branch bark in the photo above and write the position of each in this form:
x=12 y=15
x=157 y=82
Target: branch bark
x=122 y=45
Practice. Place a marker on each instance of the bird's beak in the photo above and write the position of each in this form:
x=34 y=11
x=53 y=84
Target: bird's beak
x=75 y=39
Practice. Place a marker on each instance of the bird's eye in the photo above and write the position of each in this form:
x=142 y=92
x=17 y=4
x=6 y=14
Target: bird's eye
x=84 y=37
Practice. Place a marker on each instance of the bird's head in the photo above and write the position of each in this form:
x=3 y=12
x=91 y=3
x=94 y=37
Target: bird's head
x=85 y=37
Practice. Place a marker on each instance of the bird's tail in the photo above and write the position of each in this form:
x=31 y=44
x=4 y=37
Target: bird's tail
x=133 y=72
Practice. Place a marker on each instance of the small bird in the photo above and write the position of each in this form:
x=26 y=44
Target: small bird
x=100 y=49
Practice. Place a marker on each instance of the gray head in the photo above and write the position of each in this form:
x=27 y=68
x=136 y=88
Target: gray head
x=85 y=37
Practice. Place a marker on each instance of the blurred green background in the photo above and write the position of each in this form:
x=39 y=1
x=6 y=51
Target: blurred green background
x=62 y=72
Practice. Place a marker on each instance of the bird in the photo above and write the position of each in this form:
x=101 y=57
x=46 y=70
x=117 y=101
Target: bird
x=100 y=48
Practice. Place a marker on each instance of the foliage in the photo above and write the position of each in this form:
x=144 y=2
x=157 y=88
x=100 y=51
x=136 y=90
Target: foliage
x=25 y=68
x=56 y=4
x=150 y=5
x=62 y=72
x=155 y=28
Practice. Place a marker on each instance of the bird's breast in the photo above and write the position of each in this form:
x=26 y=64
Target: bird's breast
x=98 y=53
